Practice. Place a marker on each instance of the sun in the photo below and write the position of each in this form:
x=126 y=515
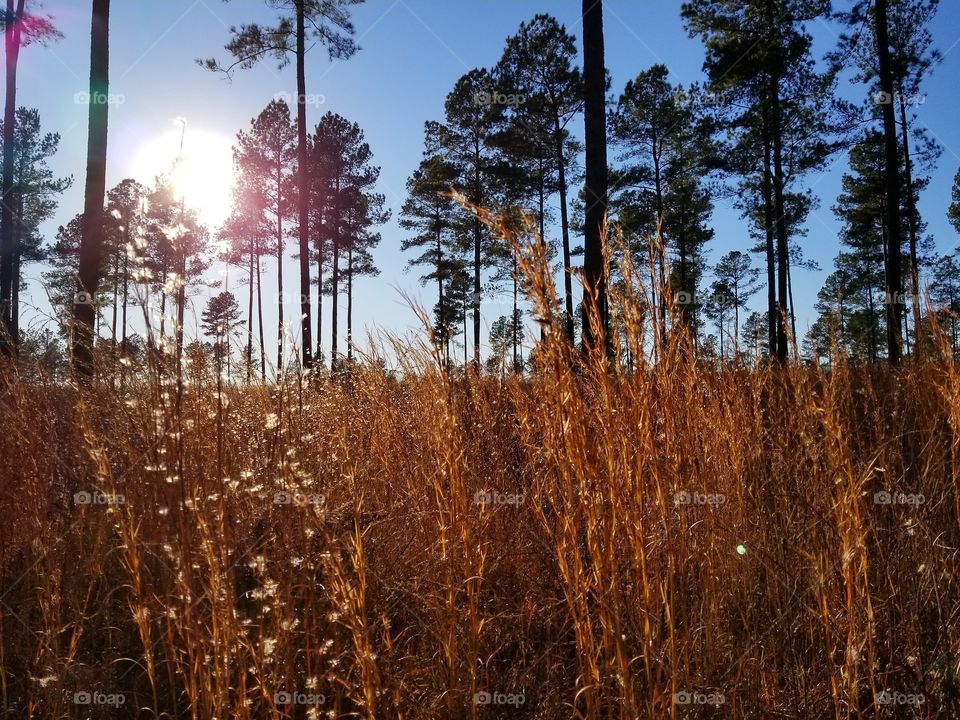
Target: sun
x=204 y=177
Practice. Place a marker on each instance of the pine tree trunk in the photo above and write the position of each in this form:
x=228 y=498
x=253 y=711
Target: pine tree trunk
x=91 y=238
x=350 y=306
x=280 y=337
x=770 y=254
x=17 y=265
x=263 y=354
x=116 y=298
x=250 y=313
x=568 y=323
x=595 y=136
x=303 y=196
x=318 y=246
x=319 y=307
x=126 y=302
x=514 y=321
x=334 y=317
x=893 y=273
x=911 y=207
x=444 y=330
x=12 y=53
x=477 y=240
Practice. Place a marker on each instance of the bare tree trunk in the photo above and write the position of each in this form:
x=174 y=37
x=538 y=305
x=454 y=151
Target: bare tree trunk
x=595 y=136
x=565 y=234
x=444 y=330
x=893 y=274
x=477 y=240
x=303 y=197
x=770 y=254
x=319 y=306
x=116 y=298
x=7 y=250
x=17 y=265
x=350 y=306
x=126 y=302
x=334 y=316
x=911 y=207
x=250 y=312
x=280 y=337
x=514 y=329
x=263 y=354
x=91 y=237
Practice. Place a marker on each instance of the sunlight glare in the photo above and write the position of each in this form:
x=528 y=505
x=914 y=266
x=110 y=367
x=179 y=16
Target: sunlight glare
x=203 y=179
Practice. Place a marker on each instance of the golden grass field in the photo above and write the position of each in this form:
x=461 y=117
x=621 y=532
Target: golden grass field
x=687 y=540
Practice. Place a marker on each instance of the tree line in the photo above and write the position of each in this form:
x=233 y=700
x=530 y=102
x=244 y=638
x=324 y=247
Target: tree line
x=535 y=134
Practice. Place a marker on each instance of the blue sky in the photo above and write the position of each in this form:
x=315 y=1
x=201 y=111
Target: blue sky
x=412 y=53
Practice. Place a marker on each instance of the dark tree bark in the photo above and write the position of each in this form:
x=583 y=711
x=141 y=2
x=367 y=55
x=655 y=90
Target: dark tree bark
x=250 y=311
x=477 y=242
x=565 y=235
x=280 y=337
x=263 y=353
x=595 y=136
x=12 y=39
x=350 y=306
x=91 y=239
x=303 y=197
x=779 y=203
x=893 y=274
x=911 y=224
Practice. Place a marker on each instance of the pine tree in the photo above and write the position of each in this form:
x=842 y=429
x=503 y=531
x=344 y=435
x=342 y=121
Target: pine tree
x=911 y=60
x=21 y=27
x=350 y=209
x=330 y=24
x=779 y=112
x=34 y=200
x=219 y=320
x=665 y=151
x=736 y=274
x=247 y=235
x=538 y=68
x=124 y=227
x=468 y=142
x=264 y=157
x=429 y=212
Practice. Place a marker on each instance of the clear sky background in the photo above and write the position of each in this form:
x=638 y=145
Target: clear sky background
x=413 y=51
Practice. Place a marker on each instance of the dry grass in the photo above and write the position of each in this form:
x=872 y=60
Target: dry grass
x=585 y=589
